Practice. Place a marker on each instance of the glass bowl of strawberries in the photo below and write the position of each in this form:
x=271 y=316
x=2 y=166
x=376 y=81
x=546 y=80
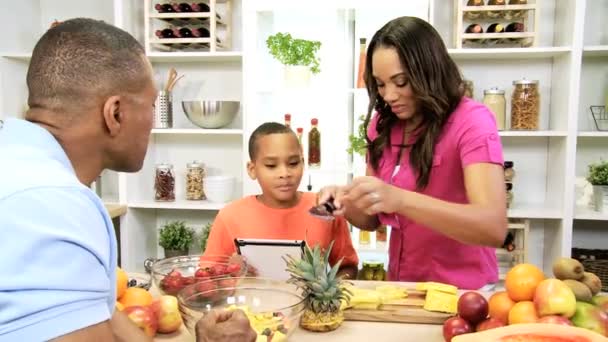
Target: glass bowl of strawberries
x=171 y=275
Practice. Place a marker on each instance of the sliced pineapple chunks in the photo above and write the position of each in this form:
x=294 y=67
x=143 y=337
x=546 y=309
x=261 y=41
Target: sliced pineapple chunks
x=430 y=285
x=371 y=299
x=440 y=301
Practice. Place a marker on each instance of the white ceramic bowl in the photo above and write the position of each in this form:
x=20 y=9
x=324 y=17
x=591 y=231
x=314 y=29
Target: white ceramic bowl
x=219 y=189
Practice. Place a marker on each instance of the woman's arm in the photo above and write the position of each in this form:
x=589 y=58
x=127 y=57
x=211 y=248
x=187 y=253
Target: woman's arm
x=483 y=221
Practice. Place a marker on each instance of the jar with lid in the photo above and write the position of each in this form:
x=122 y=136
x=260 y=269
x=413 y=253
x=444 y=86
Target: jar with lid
x=372 y=270
x=494 y=99
x=525 y=105
x=509 y=171
x=473 y=15
x=495 y=14
x=195 y=175
x=164 y=183
x=468 y=89
x=509 y=188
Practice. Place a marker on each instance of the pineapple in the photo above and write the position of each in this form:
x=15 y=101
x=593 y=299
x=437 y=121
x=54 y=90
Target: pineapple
x=322 y=290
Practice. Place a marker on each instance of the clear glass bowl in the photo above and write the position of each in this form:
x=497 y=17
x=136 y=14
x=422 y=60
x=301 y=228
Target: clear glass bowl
x=274 y=307
x=170 y=275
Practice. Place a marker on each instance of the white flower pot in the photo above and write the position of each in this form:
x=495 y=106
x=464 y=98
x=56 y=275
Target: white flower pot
x=600 y=198
x=297 y=76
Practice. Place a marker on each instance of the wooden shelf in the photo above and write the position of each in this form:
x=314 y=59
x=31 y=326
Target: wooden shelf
x=197 y=131
x=595 y=51
x=172 y=57
x=508 y=53
x=177 y=205
x=533 y=211
x=589 y=214
x=505 y=35
x=528 y=7
x=533 y=133
x=593 y=134
x=502 y=251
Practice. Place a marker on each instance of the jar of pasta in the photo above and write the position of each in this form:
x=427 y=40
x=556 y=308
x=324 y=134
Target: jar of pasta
x=494 y=99
x=525 y=105
x=194 y=181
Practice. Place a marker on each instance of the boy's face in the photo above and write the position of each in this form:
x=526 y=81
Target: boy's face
x=278 y=166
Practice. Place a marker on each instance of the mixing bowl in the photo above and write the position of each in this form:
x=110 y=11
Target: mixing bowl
x=210 y=113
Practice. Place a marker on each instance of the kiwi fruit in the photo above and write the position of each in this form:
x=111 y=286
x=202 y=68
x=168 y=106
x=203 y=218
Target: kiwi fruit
x=593 y=282
x=568 y=268
x=581 y=291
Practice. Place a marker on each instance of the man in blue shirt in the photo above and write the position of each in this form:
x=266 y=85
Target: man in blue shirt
x=91 y=99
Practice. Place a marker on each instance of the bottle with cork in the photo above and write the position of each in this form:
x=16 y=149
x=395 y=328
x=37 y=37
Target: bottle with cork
x=287 y=118
x=314 y=144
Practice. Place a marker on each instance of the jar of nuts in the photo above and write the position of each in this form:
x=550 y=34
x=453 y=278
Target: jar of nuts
x=164 y=183
x=525 y=105
x=194 y=181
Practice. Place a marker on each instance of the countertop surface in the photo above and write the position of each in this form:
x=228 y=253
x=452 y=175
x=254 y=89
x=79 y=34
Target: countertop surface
x=115 y=210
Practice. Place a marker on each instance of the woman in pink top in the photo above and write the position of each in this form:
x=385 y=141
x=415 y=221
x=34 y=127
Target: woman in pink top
x=434 y=163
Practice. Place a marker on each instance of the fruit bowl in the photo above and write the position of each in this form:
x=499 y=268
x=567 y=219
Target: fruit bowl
x=273 y=306
x=170 y=275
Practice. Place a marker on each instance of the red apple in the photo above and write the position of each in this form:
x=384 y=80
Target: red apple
x=144 y=317
x=472 y=307
x=233 y=269
x=489 y=323
x=167 y=311
x=455 y=326
x=555 y=319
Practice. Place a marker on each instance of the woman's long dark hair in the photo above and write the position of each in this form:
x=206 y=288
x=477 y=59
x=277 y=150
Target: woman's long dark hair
x=435 y=81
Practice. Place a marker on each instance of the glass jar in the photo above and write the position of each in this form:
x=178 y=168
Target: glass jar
x=164 y=183
x=494 y=99
x=509 y=188
x=509 y=171
x=473 y=15
x=372 y=270
x=364 y=237
x=194 y=181
x=468 y=89
x=518 y=13
x=525 y=105
x=495 y=14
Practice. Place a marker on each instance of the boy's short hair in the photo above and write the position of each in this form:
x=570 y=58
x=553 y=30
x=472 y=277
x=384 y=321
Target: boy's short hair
x=265 y=129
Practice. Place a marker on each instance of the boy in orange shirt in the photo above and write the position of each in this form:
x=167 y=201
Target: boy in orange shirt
x=281 y=211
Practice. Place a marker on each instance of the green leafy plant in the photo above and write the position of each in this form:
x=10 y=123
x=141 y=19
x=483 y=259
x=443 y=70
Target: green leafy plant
x=357 y=143
x=293 y=51
x=598 y=173
x=205 y=236
x=175 y=235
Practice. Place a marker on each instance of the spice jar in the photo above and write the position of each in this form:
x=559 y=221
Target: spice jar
x=518 y=13
x=164 y=183
x=194 y=181
x=509 y=187
x=494 y=99
x=509 y=171
x=495 y=14
x=473 y=15
x=372 y=270
x=525 y=105
x=468 y=89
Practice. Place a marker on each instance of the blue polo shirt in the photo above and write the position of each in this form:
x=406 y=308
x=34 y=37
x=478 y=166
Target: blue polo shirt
x=57 y=242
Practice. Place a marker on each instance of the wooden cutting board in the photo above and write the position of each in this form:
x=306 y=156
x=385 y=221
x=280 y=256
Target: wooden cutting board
x=406 y=310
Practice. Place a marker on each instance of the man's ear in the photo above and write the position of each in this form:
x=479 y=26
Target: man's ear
x=251 y=170
x=112 y=115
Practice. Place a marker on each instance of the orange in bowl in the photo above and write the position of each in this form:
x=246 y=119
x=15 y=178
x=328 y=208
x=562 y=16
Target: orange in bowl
x=136 y=296
x=499 y=306
x=122 y=282
x=521 y=281
x=523 y=312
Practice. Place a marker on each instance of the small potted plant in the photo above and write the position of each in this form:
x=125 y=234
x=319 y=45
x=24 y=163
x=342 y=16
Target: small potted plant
x=205 y=236
x=358 y=146
x=598 y=177
x=298 y=55
x=175 y=237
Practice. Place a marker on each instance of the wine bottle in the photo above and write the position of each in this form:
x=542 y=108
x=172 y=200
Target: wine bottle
x=200 y=7
x=182 y=7
x=201 y=32
x=515 y=27
x=495 y=28
x=164 y=8
x=166 y=33
x=474 y=28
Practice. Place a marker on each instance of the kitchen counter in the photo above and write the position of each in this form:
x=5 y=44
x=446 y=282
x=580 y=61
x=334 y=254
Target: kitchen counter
x=115 y=210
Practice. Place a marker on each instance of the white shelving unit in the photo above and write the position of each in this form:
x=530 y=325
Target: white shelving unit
x=570 y=61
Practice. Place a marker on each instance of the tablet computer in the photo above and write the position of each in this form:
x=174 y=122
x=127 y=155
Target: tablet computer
x=266 y=256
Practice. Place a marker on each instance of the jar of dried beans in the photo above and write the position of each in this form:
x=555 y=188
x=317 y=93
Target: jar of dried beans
x=525 y=105
x=164 y=183
x=194 y=181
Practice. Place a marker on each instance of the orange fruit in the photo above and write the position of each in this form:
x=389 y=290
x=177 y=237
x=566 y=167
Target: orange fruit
x=523 y=312
x=122 y=281
x=499 y=306
x=119 y=306
x=136 y=296
x=522 y=280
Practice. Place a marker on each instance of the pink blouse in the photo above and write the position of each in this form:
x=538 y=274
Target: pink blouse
x=418 y=253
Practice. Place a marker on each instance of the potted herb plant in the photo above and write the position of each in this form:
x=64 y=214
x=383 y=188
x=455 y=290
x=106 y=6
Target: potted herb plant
x=205 y=236
x=358 y=147
x=175 y=237
x=598 y=177
x=298 y=55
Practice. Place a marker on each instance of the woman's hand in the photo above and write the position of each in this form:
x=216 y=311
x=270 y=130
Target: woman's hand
x=371 y=196
x=332 y=193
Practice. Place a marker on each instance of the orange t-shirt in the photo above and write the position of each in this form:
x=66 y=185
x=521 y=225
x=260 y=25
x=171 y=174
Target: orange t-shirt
x=248 y=218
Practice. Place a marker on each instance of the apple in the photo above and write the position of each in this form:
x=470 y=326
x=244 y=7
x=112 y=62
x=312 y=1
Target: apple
x=489 y=323
x=455 y=326
x=554 y=297
x=201 y=273
x=554 y=319
x=591 y=317
x=167 y=311
x=472 y=307
x=144 y=317
x=601 y=302
x=233 y=269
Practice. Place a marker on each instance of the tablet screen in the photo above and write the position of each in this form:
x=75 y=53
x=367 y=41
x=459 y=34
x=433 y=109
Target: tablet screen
x=267 y=255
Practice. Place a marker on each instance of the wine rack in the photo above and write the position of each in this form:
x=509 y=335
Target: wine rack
x=214 y=25
x=526 y=16
x=516 y=250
